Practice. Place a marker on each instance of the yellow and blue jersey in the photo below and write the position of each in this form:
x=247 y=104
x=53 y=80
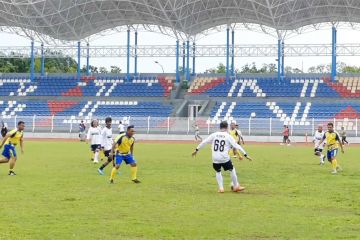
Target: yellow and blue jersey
x=9 y=146
x=124 y=144
x=15 y=137
x=332 y=140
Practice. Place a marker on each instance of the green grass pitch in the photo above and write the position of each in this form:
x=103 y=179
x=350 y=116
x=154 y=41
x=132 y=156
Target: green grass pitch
x=58 y=194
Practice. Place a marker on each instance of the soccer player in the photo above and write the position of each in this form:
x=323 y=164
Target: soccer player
x=10 y=141
x=333 y=142
x=318 y=136
x=121 y=128
x=106 y=145
x=235 y=135
x=240 y=135
x=197 y=133
x=286 y=133
x=343 y=136
x=4 y=129
x=221 y=143
x=94 y=136
x=123 y=148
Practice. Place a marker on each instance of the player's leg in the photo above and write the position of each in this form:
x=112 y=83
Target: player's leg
x=219 y=178
x=101 y=153
x=12 y=161
x=331 y=155
x=5 y=155
x=235 y=186
x=108 y=160
x=131 y=161
x=96 y=154
x=118 y=160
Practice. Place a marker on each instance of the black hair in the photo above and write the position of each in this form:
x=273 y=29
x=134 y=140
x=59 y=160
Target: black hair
x=330 y=124
x=21 y=122
x=130 y=127
x=224 y=125
x=120 y=122
x=108 y=119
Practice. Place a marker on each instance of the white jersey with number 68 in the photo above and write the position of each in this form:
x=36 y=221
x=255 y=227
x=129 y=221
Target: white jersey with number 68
x=221 y=143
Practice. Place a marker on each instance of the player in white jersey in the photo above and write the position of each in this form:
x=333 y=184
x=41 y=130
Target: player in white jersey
x=94 y=137
x=222 y=142
x=121 y=128
x=106 y=145
x=318 y=137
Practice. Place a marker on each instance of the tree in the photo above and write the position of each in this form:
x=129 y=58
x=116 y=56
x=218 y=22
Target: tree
x=221 y=68
x=115 y=69
x=103 y=70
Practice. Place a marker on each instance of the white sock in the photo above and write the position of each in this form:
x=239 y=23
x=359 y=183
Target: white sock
x=219 y=180
x=321 y=157
x=96 y=157
x=234 y=178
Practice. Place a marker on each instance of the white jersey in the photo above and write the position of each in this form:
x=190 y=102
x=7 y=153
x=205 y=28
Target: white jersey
x=221 y=143
x=318 y=137
x=121 y=127
x=94 y=134
x=107 y=140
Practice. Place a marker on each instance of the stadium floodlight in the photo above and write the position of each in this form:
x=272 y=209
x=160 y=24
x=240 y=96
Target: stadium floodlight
x=162 y=68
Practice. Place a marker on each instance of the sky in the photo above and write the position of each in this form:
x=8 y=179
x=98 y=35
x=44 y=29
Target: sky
x=202 y=64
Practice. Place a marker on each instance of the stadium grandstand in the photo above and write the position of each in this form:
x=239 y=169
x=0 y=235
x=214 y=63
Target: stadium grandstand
x=172 y=102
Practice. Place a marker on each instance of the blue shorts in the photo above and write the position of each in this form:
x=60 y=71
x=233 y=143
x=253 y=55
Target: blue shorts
x=9 y=151
x=128 y=159
x=332 y=154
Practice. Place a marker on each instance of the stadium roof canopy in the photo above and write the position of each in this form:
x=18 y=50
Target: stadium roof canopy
x=78 y=19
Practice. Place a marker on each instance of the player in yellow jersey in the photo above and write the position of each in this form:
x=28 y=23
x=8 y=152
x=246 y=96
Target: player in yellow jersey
x=333 y=142
x=123 y=148
x=10 y=141
x=235 y=135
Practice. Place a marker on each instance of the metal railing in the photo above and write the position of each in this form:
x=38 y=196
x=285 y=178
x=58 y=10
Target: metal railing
x=181 y=126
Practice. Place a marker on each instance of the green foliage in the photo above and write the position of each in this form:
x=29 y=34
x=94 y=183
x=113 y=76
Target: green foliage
x=288 y=195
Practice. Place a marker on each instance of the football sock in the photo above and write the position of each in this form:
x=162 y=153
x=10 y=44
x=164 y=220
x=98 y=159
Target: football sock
x=133 y=173
x=96 y=157
x=102 y=166
x=113 y=173
x=334 y=164
x=219 y=180
x=321 y=157
x=234 y=178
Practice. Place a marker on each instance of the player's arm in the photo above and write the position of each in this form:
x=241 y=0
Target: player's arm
x=132 y=149
x=22 y=145
x=340 y=143
x=238 y=147
x=88 y=136
x=209 y=139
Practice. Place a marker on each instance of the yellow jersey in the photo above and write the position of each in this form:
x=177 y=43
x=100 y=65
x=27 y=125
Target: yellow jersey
x=15 y=137
x=124 y=144
x=332 y=140
x=234 y=134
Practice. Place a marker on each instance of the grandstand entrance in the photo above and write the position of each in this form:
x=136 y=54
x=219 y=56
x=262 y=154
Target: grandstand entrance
x=193 y=111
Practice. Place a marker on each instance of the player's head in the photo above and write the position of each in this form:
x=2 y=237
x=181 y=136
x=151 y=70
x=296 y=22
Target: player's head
x=342 y=128
x=237 y=126
x=232 y=126
x=94 y=123
x=108 y=122
x=130 y=131
x=120 y=122
x=224 y=126
x=21 y=125
x=330 y=127
x=320 y=128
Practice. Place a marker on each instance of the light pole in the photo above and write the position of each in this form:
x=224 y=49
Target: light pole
x=162 y=68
